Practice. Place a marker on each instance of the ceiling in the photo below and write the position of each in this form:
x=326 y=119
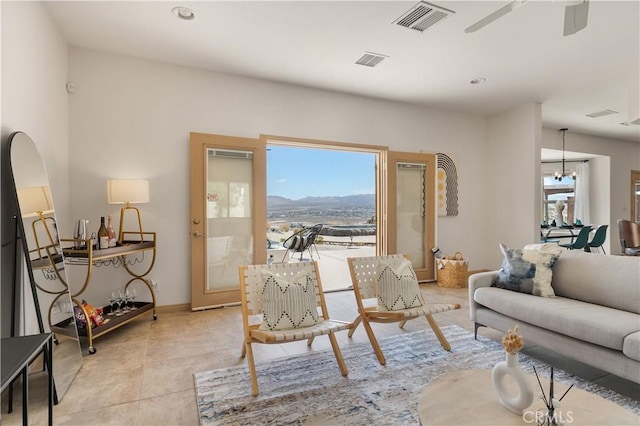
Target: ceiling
x=523 y=55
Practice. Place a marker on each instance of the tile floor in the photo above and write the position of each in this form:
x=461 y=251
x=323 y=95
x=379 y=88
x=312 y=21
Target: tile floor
x=142 y=372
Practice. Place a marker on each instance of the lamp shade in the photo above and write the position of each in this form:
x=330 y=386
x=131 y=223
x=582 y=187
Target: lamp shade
x=35 y=200
x=122 y=191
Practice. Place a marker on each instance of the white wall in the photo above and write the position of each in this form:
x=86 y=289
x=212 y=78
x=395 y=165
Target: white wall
x=132 y=118
x=34 y=100
x=612 y=195
x=600 y=209
x=511 y=197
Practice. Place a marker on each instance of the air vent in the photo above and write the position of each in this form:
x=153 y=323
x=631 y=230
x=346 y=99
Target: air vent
x=230 y=154
x=602 y=113
x=629 y=123
x=370 y=59
x=423 y=16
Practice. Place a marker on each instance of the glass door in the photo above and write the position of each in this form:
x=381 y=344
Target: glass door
x=225 y=188
x=411 y=209
x=229 y=216
x=635 y=196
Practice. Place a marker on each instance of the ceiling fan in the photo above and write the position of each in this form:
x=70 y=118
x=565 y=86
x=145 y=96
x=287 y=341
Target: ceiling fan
x=575 y=16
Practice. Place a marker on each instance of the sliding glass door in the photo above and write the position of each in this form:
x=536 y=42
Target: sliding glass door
x=228 y=223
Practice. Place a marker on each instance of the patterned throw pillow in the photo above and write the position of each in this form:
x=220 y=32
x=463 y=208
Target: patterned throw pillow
x=288 y=303
x=527 y=270
x=397 y=288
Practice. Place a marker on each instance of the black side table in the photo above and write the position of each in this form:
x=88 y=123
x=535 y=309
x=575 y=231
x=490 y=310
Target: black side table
x=17 y=353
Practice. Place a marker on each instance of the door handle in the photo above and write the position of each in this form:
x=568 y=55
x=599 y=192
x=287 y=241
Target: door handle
x=197 y=234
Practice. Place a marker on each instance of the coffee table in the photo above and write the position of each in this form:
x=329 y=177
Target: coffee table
x=467 y=398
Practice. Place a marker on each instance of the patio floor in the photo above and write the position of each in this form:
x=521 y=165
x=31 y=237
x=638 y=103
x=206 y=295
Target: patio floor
x=332 y=257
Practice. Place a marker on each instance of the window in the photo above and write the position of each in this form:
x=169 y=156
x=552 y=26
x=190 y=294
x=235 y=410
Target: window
x=554 y=190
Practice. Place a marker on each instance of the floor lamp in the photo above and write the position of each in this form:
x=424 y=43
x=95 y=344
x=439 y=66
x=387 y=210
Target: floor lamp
x=127 y=192
x=36 y=201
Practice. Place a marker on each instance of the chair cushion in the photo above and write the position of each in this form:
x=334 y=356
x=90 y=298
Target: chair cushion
x=612 y=281
x=589 y=322
x=527 y=270
x=288 y=303
x=296 y=243
x=397 y=288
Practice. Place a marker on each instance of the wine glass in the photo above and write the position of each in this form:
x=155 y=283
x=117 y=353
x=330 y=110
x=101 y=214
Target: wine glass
x=117 y=301
x=132 y=295
x=112 y=305
x=123 y=299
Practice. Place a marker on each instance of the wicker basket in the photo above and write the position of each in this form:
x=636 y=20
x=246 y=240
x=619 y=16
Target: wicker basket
x=453 y=273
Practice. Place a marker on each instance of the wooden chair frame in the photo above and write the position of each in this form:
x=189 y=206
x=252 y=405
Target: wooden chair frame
x=363 y=276
x=251 y=287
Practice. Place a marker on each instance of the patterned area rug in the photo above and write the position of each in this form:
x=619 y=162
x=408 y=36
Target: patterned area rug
x=308 y=388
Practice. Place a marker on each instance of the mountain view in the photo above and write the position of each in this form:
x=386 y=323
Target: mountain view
x=334 y=210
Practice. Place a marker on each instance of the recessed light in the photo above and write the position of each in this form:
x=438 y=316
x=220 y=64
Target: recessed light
x=183 y=13
x=478 y=80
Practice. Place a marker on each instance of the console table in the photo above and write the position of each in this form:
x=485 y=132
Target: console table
x=91 y=258
x=17 y=354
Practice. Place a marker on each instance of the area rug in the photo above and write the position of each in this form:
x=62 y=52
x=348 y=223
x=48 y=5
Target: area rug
x=308 y=388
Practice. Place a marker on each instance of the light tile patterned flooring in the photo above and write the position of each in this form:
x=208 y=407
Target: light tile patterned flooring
x=142 y=372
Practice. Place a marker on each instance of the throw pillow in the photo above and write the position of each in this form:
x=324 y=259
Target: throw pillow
x=397 y=288
x=288 y=303
x=527 y=270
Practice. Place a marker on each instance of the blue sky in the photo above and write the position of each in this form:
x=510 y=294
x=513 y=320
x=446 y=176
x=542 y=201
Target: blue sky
x=303 y=172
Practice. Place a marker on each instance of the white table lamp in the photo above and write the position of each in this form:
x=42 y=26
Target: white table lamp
x=127 y=192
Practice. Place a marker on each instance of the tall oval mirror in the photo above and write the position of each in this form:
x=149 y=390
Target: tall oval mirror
x=47 y=303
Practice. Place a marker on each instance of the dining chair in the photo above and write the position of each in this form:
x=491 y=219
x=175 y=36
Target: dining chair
x=387 y=291
x=598 y=239
x=284 y=302
x=581 y=240
x=629 y=237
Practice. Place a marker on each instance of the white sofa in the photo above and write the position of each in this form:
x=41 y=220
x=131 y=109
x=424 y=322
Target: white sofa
x=594 y=318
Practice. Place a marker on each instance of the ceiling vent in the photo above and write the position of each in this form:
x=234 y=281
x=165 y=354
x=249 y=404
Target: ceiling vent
x=423 y=16
x=602 y=113
x=370 y=59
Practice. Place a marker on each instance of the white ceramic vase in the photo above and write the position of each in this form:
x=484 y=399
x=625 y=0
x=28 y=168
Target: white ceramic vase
x=522 y=398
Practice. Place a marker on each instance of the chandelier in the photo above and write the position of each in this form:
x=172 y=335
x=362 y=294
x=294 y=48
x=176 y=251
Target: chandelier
x=560 y=175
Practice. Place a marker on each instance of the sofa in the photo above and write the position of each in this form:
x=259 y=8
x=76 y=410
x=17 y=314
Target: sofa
x=593 y=318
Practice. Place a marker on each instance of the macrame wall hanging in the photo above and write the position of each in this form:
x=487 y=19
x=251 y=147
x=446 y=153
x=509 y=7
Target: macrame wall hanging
x=447 y=186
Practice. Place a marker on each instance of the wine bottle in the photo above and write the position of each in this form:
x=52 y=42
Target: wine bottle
x=103 y=236
x=110 y=232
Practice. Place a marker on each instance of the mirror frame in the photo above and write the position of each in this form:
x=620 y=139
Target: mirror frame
x=67 y=352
